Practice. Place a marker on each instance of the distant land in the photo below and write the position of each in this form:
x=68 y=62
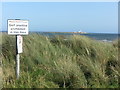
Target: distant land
x=56 y=32
x=68 y=32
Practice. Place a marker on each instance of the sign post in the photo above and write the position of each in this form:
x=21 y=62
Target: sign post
x=17 y=65
x=18 y=28
x=19 y=41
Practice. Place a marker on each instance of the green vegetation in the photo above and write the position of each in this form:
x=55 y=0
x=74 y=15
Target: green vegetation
x=56 y=62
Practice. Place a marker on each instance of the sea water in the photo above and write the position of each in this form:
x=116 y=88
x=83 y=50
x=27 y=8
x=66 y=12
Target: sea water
x=106 y=37
x=97 y=36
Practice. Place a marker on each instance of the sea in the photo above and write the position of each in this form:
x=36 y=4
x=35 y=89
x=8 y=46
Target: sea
x=105 y=37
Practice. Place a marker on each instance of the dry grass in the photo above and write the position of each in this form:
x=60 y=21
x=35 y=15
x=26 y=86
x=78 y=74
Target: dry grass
x=75 y=62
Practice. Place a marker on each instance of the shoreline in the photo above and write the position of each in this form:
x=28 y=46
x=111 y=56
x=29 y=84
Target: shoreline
x=96 y=36
x=69 y=32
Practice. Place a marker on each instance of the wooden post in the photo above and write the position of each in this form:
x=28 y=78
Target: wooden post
x=17 y=65
x=17 y=60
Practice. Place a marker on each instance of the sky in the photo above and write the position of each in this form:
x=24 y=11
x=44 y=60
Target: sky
x=59 y=0
x=0 y=15
x=93 y=17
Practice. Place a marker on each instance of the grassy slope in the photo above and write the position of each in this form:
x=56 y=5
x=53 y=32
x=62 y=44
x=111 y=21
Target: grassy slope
x=53 y=63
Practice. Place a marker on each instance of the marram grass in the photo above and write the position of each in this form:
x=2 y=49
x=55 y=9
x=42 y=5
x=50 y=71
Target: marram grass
x=60 y=62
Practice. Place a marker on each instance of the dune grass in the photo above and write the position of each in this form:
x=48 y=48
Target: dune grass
x=57 y=62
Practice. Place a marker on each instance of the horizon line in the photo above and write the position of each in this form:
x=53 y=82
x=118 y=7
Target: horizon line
x=68 y=32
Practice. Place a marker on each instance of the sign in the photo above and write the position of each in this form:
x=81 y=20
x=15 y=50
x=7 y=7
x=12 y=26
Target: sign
x=19 y=44
x=18 y=27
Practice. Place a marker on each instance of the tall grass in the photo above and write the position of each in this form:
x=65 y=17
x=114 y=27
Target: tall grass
x=61 y=62
x=1 y=73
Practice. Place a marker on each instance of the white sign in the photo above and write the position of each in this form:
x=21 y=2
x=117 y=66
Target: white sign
x=18 y=27
x=19 y=44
